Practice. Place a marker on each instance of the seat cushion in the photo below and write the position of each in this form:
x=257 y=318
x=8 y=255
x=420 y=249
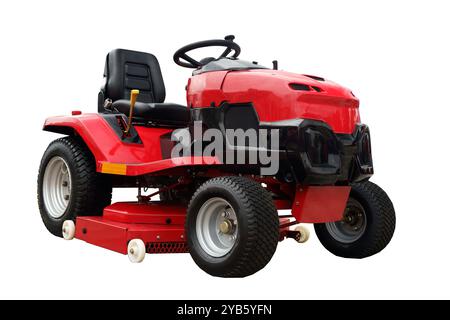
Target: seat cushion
x=158 y=113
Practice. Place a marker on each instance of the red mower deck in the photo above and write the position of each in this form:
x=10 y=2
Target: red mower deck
x=161 y=225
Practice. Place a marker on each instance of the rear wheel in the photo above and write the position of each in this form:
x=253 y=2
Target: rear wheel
x=367 y=227
x=68 y=185
x=232 y=227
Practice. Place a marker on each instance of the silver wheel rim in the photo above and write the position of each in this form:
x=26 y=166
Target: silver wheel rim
x=216 y=227
x=352 y=227
x=56 y=187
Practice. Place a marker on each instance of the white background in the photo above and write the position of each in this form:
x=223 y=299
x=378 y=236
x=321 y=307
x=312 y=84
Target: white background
x=394 y=55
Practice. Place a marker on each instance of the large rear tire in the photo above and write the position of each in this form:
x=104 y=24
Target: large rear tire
x=367 y=227
x=232 y=227
x=68 y=184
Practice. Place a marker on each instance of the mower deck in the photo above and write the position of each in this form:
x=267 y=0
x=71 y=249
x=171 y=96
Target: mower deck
x=161 y=225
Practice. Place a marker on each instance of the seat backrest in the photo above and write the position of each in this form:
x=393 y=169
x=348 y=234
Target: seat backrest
x=126 y=70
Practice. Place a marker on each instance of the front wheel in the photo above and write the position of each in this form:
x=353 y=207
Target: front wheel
x=232 y=227
x=367 y=227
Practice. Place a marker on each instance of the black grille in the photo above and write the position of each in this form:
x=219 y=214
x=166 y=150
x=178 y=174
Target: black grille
x=299 y=86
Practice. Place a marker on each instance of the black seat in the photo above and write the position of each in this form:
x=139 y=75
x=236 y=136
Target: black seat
x=126 y=70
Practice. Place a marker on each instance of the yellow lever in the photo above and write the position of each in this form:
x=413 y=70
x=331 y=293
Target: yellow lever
x=133 y=97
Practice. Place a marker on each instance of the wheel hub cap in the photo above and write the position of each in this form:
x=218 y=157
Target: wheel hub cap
x=56 y=188
x=216 y=227
x=226 y=226
x=352 y=226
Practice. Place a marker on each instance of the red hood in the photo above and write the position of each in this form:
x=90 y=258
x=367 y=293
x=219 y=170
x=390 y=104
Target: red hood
x=278 y=95
x=330 y=87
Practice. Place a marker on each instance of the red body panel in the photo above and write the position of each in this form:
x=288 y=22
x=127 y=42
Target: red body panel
x=106 y=145
x=155 y=166
x=274 y=100
x=206 y=88
x=108 y=148
x=320 y=204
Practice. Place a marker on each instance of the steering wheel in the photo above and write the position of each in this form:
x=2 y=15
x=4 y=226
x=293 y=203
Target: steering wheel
x=181 y=54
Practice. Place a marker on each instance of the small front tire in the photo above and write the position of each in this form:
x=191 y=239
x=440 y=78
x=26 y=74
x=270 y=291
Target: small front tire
x=367 y=227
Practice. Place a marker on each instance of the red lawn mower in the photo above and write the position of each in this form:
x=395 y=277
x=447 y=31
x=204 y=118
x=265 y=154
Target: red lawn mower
x=224 y=213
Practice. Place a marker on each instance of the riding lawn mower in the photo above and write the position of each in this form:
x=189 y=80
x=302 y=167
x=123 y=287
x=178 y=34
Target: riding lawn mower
x=229 y=215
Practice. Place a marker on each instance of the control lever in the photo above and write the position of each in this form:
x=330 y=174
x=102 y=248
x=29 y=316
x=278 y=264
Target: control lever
x=133 y=97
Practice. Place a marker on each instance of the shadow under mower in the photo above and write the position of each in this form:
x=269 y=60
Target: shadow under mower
x=225 y=214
